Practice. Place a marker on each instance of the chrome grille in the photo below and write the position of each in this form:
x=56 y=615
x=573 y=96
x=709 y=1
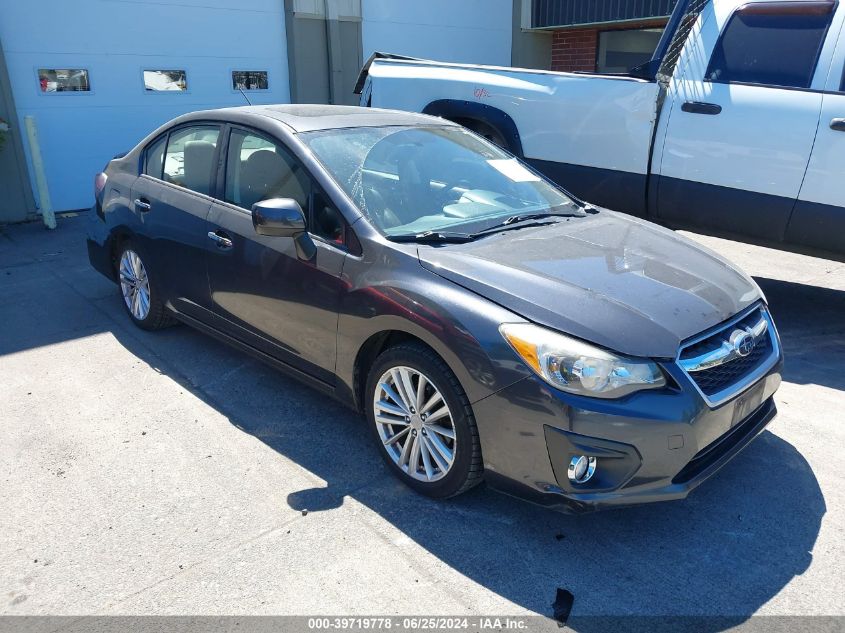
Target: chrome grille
x=724 y=362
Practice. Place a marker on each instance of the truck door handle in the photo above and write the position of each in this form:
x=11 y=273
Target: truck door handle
x=699 y=107
x=837 y=124
x=142 y=204
x=221 y=239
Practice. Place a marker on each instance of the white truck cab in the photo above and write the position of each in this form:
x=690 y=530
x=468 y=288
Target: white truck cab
x=735 y=127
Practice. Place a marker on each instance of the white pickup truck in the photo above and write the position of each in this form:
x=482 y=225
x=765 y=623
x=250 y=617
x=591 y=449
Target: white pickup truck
x=735 y=127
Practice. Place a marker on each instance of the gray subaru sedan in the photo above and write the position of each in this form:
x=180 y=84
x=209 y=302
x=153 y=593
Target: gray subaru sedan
x=489 y=326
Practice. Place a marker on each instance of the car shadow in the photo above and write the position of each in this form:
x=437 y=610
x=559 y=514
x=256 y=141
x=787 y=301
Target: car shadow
x=810 y=320
x=725 y=551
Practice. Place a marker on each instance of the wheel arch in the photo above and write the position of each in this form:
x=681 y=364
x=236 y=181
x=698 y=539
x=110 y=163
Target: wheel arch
x=459 y=111
x=371 y=349
x=118 y=237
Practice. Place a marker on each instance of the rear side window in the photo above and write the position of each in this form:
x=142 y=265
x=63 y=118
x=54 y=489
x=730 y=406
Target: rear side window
x=771 y=44
x=154 y=158
x=189 y=161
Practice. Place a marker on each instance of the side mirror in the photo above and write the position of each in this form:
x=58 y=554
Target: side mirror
x=278 y=217
x=283 y=217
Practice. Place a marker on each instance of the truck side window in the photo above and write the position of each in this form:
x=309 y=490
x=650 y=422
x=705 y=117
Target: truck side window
x=769 y=45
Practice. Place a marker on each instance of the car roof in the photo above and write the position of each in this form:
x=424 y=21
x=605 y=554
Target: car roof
x=306 y=117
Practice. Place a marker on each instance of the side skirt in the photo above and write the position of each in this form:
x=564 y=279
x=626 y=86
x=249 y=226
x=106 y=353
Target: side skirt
x=307 y=379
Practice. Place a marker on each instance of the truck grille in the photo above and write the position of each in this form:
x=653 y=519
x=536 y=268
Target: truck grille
x=724 y=362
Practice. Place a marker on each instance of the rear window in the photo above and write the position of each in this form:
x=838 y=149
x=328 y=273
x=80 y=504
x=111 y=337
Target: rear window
x=770 y=45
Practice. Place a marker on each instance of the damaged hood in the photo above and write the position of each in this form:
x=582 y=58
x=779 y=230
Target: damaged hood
x=613 y=280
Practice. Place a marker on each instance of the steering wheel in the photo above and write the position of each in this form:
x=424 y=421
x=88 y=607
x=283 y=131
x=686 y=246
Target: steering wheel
x=377 y=207
x=448 y=195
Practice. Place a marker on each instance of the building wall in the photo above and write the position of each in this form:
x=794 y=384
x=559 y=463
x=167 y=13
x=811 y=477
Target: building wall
x=576 y=49
x=470 y=31
x=114 y=40
x=529 y=48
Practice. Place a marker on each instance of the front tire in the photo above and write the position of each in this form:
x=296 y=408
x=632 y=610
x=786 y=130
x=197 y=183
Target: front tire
x=139 y=292
x=422 y=422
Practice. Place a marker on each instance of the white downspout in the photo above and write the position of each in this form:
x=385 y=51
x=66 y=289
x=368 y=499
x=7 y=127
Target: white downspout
x=45 y=203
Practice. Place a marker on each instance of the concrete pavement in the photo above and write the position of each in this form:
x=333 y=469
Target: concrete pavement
x=166 y=473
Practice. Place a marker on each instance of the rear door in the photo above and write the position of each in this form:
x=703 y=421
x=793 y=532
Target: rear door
x=818 y=220
x=262 y=292
x=172 y=199
x=743 y=119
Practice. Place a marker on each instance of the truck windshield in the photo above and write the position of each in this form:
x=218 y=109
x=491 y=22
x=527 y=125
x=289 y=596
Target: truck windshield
x=411 y=180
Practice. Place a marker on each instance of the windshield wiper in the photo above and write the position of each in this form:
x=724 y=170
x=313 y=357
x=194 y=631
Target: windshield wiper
x=433 y=237
x=509 y=223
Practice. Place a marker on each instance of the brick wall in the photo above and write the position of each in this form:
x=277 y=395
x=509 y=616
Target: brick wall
x=576 y=48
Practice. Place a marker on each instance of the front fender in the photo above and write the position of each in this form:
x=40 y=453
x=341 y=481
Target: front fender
x=462 y=327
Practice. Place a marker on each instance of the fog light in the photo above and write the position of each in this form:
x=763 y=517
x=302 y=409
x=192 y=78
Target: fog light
x=581 y=469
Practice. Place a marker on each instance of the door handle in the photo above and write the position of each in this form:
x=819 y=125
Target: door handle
x=142 y=204
x=699 y=107
x=220 y=238
x=837 y=124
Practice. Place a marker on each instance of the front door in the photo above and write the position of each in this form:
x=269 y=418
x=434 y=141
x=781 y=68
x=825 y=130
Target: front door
x=818 y=220
x=742 y=120
x=262 y=292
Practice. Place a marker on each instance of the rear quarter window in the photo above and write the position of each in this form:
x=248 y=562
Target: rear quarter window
x=154 y=157
x=771 y=45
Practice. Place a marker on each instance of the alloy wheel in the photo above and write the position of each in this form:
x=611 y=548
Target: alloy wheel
x=414 y=424
x=134 y=284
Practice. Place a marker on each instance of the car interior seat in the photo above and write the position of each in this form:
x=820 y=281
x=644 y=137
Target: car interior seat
x=197 y=164
x=266 y=174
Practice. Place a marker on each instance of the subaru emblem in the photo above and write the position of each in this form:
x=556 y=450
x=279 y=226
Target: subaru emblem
x=743 y=343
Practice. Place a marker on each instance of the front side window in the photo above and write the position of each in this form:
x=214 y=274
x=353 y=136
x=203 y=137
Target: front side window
x=409 y=180
x=771 y=45
x=189 y=160
x=259 y=169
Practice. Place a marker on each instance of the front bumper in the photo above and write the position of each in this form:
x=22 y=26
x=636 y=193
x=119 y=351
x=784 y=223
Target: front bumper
x=650 y=446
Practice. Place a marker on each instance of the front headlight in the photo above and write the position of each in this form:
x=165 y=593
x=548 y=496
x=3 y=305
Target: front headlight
x=577 y=367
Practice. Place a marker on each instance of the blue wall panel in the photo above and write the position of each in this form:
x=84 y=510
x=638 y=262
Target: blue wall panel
x=115 y=40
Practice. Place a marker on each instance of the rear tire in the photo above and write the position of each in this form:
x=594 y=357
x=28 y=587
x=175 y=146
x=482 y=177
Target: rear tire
x=422 y=421
x=139 y=291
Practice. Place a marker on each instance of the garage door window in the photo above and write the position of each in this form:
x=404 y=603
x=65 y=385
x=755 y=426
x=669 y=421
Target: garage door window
x=165 y=81
x=190 y=157
x=249 y=80
x=769 y=45
x=63 y=80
